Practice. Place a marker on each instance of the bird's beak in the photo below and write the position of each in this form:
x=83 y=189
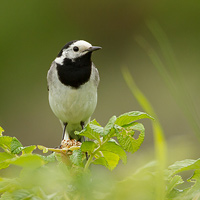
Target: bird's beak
x=93 y=48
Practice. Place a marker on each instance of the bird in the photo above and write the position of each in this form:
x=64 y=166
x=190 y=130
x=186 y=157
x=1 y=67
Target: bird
x=72 y=82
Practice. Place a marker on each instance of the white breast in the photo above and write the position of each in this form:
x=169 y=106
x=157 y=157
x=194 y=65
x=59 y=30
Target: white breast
x=72 y=105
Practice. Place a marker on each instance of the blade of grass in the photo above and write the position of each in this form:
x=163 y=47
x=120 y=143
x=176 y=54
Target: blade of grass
x=160 y=144
x=171 y=74
x=172 y=63
x=165 y=47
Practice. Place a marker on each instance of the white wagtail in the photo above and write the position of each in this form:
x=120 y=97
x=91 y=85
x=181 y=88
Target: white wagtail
x=72 y=84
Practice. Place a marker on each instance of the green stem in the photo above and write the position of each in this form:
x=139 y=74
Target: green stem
x=89 y=161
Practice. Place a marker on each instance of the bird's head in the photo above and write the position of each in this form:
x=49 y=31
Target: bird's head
x=75 y=49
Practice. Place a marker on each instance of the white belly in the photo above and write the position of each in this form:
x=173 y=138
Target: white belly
x=73 y=105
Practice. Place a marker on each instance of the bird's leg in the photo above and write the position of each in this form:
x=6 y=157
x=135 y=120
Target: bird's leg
x=82 y=126
x=65 y=125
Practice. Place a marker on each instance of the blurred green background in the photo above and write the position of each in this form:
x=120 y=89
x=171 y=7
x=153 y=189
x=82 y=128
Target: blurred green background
x=33 y=32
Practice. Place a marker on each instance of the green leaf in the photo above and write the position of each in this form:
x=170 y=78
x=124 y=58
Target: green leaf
x=194 y=191
x=21 y=194
x=28 y=149
x=4 y=165
x=115 y=148
x=173 y=182
x=185 y=165
x=5 y=142
x=95 y=122
x=88 y=146
x=50 y=158
x=28 y=161
x=126 y=139
x=76 y=157
x=4 y=158
x=101 y=161
x=16 y=146
x=7 y=185
x=6 y=196
x=111 y=158
x=195 y=176
x=130 y=117
x=109 y=125
x=97 y=129
x=1 y=131
x=91 y=130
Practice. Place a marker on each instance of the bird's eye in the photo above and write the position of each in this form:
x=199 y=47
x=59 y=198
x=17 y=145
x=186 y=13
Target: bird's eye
x=76 y=48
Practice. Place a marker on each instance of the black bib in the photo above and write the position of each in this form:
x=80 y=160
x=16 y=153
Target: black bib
x=75 y=73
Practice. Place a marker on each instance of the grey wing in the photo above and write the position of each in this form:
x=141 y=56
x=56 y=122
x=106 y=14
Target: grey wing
x=50 y=74
x=96 y=75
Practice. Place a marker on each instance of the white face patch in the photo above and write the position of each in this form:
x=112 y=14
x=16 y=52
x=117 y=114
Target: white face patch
x=82 y=45
x=59 y=60
x=75 y=50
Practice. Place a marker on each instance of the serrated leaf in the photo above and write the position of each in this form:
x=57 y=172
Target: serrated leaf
x=97 y=129
x=1 y=131
x=115 y=148
x=6 y=196
x=50 y=158
x=28 y=160
x=76 y=157
x=128 y=118
x=184 y=165
x=126 y=139
x=101 y=161
x=95 y=122
x=173 y=182
x=5 y=142
x=7 y=185
x=28 y=149
x=21 y=194
x=195 y=176
x=4 y=158
x=88 y=146
x=111 y=158
x=109 y=125
x=15 y=146
x=194 y=191
x=137 y=127
x=91 y=132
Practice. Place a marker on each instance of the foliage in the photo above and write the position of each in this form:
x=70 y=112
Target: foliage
x=61 y=175
x=106 y=147
x=67 y=176
x=142 y=185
